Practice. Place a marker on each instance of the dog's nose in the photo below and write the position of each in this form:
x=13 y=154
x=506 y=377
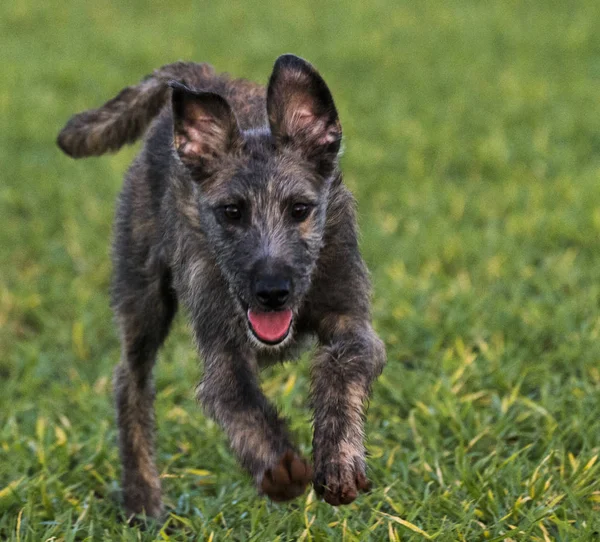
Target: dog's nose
x=272 y=292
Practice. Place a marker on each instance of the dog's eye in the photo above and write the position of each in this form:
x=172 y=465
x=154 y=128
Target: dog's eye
x=300 y=211
x=232 y=212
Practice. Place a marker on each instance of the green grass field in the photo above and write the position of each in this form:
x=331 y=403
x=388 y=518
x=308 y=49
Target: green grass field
x=472 y=135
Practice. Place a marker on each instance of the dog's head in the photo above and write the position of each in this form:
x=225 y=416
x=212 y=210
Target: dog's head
x=263 y=194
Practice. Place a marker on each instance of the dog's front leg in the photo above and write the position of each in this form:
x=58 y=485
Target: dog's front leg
x=231 y=395
x=349 y=358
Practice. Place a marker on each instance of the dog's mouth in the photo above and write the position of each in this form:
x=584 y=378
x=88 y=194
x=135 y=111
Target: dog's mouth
x=270 y=327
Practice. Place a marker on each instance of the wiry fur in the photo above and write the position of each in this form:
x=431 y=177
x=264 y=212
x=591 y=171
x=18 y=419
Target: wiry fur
x=212 y=141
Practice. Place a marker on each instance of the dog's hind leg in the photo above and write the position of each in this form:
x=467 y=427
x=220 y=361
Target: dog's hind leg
x=145 y=308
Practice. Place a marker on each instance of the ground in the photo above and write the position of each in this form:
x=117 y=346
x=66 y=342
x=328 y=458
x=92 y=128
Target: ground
x=472 y=143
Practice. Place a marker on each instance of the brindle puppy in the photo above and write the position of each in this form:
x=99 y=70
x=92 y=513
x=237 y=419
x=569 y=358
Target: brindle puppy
x=235 y=207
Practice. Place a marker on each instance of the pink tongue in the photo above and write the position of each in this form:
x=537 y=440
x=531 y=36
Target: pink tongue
x=270 y=326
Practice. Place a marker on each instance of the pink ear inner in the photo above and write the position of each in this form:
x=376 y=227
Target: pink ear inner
x=200 y=134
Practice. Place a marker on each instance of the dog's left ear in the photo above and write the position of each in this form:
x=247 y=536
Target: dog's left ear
x=302 y=113
x=205 y=128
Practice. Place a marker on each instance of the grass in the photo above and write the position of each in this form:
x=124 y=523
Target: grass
x=473 y=146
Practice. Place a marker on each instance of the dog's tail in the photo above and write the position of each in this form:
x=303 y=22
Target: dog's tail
x=124 y=119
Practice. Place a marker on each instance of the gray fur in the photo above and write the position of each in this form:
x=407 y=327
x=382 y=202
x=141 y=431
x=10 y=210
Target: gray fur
x=213 y=143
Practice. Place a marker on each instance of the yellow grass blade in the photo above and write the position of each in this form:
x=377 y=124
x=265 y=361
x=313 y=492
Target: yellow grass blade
x=407 y=524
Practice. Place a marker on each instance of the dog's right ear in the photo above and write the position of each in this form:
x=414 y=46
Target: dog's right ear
x=205 y=128
x=302 y=113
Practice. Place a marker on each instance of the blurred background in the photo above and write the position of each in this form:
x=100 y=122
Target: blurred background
x=472 y=143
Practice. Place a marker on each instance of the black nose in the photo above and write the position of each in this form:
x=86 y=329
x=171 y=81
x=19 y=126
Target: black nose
x=272 y=292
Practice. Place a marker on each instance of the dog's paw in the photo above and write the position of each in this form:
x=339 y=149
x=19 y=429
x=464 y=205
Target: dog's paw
x=287 y=479
x=340 y=482
x=142 y=499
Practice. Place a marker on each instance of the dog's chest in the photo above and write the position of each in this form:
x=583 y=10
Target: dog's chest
x=302 y=342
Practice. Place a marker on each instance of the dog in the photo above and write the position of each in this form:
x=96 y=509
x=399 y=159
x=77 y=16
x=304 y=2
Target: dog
x=235 y=208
